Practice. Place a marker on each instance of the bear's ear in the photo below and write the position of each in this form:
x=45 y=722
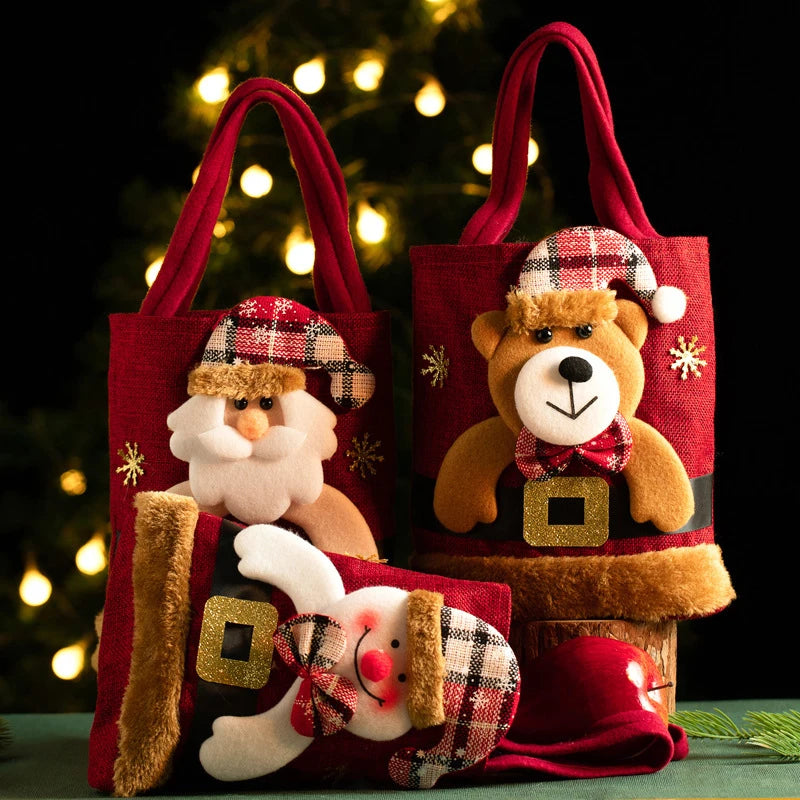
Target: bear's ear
x=487 y=331
x=632 y=318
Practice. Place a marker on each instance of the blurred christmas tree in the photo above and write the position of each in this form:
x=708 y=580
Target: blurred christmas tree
x=406 y=94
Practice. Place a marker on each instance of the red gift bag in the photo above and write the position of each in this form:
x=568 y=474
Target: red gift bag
x=617 y=524
x=396 y=677
x=153 y=352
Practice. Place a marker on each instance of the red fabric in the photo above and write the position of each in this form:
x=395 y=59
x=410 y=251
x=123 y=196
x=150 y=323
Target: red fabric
x=343 y=754
x=453 y=283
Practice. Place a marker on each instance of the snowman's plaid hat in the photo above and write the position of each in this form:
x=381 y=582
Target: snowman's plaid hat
x=462 y=674
x=264 y=344
x=564 y=281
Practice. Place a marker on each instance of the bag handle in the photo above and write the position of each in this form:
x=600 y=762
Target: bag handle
x=338 y=282
x=614 y=196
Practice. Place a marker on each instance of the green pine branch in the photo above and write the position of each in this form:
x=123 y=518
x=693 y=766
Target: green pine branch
x=5 y=734
x=778 y=732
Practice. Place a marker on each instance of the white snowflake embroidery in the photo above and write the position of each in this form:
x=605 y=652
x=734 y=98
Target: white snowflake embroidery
x=283 y=305
x=132 y=461
x=461 y=752
x=478 y=700
x=439 y=365
x=687 y=357
x=248 y=308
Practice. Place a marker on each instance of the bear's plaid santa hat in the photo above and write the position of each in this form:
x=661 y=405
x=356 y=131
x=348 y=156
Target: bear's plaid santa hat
x=262 y=347
x=564 y=281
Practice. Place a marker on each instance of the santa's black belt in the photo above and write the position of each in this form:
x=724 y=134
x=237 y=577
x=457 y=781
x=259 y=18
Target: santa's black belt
x=508 y=525
x=234 y=603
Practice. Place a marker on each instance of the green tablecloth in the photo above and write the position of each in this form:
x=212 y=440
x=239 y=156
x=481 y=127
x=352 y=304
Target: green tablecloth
x=48 y=754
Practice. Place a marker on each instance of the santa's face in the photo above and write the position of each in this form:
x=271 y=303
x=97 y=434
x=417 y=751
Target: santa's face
x=254 y=455
x=375 y=621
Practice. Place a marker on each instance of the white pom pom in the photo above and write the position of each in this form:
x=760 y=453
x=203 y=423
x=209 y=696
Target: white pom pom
x=668 y=304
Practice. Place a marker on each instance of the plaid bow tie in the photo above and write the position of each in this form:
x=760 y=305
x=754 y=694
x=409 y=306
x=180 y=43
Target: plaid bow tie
x=609 y=451
x=311 y=644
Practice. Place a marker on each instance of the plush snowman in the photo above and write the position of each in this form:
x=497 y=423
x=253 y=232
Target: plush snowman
x=378 y=661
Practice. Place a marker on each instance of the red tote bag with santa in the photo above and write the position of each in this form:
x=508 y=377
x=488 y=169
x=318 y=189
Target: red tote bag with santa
x=324 y=454
x=263 y=412
x=564 y=390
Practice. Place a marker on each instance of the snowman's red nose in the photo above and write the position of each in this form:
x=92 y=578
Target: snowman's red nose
x=376 y=665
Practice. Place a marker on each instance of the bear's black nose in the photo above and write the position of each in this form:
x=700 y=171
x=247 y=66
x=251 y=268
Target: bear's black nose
x=575 y=369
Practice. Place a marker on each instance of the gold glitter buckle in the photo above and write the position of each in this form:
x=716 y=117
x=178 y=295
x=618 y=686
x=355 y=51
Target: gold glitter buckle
x=219 y=615
x=565 y=512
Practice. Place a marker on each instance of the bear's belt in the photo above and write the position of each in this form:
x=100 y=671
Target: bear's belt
x=510 y=512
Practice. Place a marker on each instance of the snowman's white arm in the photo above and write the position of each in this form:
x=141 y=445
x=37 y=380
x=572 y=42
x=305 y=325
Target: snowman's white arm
x=241 y=748
x=284 y=560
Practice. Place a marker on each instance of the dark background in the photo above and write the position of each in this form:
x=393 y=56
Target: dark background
x=703 y=97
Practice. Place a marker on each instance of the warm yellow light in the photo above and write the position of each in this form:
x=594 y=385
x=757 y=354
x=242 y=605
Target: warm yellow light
x=310 y=77
x=370 y=225
x=73 y=481
x=299 y=252
x=213 y=87
x=34 y=588
x=195 y=174
x=91 y=558
x=442 y=13
x=482 y=159
x=368 y=74
x=220 y=229
x=152 y=271
x=68 y=662
x=255 y=181
x=533 y=151
x=430 y=99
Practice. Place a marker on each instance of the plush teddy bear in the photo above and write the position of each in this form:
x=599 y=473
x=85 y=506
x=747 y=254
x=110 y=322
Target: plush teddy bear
x=553 y=493
x=566 y=377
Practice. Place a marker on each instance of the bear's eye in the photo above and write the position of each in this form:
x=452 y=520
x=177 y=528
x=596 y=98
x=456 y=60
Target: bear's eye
x=240 y=404
x=543 y=335
x=266 y=403
x=584 y=331
x=402 y=677
x=395 y=643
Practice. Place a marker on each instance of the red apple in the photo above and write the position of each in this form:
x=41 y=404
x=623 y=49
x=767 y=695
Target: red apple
x=573 y=686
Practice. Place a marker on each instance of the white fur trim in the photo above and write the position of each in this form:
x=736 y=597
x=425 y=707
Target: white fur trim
x=668 y=304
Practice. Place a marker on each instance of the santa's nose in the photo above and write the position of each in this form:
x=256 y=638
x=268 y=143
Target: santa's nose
x=376 y=665
x=252 y=423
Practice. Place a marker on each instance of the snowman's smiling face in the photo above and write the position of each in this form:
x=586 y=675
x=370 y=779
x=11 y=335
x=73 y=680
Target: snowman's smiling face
x=374 y=619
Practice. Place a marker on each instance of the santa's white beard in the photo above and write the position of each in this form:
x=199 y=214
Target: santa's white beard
x=254 y=490
x=256 y=481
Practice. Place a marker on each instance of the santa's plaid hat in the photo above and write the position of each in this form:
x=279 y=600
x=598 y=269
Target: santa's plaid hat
x=564 y=281
x=461 y=674
x=262 y=345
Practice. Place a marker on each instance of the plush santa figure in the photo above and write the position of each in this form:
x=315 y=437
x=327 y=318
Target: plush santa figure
x=254 y=438
x=376 y=662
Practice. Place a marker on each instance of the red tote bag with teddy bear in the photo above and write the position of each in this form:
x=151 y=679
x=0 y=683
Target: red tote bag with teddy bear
x=565 y=444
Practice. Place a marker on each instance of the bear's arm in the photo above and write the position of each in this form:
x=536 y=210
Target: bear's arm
x=465 y=487
x=659 y=486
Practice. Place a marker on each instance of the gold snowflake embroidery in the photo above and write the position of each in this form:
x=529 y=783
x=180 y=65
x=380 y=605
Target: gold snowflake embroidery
x=132 y=461
x=364 y=454
x=687 y=357
x=439 y=365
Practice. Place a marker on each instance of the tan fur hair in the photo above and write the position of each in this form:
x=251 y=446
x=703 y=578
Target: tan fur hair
x=245 y=380
x=565 y=308
x=149 y=725
x=425 y=667
x=680 y=582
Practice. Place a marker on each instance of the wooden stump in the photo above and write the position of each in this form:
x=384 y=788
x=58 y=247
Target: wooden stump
x=658 y=639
